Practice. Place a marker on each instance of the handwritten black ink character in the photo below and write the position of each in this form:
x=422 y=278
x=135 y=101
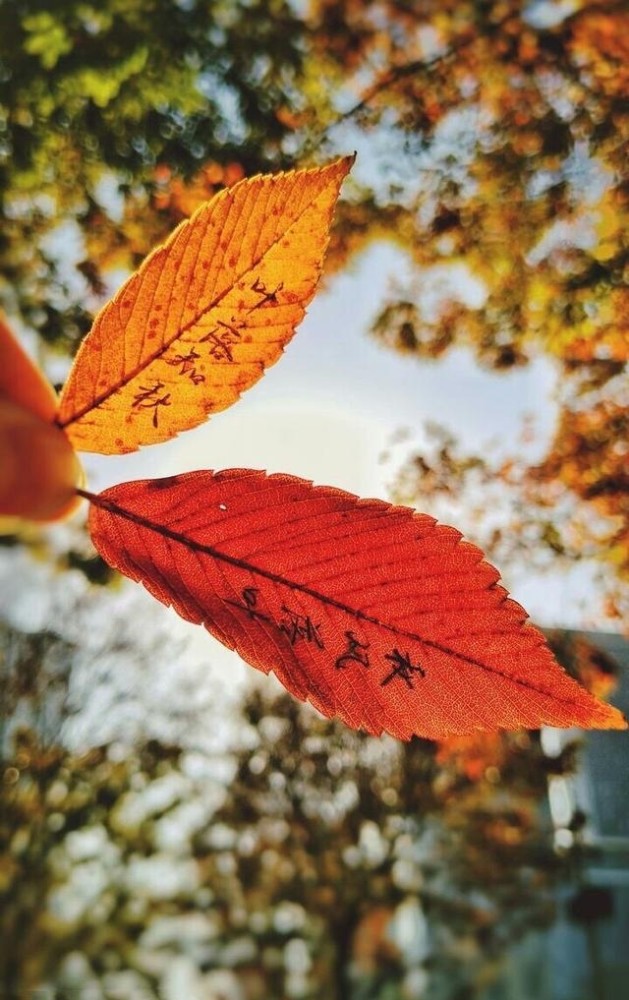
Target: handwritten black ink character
x=219 y=350
x=298 y=627
x=222 y=337
x=185 y=360
x=267 y=296
x=187 y=366
x=249 y=603
x=356 y=652
x=146 y=394
x=403 y=668
x=147 y=399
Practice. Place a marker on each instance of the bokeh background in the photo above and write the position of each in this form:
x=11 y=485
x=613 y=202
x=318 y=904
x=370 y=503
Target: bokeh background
x=171 y=825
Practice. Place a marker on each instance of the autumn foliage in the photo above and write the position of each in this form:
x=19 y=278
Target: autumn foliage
x=373 y=613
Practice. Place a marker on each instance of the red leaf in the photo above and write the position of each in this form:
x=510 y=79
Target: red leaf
x=373 y=613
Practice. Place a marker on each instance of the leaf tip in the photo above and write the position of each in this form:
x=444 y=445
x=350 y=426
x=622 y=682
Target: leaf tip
x=611 y=718
x=346 y=163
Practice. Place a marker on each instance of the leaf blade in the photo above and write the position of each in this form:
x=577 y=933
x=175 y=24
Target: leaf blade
x=205 y=314
x=372 y=612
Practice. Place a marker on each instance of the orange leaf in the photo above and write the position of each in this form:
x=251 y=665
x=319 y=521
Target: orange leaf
x=374 y=613
x=204 y=315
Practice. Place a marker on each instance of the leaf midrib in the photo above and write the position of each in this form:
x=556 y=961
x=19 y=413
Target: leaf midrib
x=191 y=544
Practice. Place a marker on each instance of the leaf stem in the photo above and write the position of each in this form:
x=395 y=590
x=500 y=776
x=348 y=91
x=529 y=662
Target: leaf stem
x=90 y=497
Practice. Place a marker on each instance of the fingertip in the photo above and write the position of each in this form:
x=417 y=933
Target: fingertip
x=39 y=470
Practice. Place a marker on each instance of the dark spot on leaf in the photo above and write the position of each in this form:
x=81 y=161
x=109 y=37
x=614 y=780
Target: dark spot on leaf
x=163 y=484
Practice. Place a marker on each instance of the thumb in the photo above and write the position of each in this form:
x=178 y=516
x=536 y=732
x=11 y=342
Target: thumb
x=39 y=471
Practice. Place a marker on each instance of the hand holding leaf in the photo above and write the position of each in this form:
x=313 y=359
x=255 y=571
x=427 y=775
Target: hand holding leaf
x=40 y=471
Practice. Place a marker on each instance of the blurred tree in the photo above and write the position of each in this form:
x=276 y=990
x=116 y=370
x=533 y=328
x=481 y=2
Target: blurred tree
x=507 y=130
x=304 y=858
x=74 y=899
x=34 y=676
x=399 y=872
x=101 y=105
x=322 y=862
x=570 y=508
